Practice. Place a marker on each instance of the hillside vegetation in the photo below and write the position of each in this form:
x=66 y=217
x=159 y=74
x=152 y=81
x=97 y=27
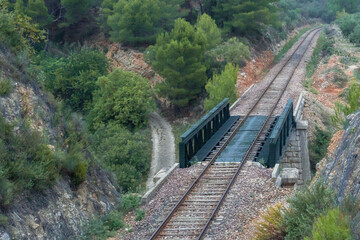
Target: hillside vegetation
x=95 y=115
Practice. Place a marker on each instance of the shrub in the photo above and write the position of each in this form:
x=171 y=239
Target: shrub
x=136 y=22
x=124 y=153
x=73 y=78
x=16 y=30
x=113 y=221
x=129 y=202
x=5 y=87
x=3 y=220
x=222 y=86
x=26 y=162
x=304 y=207
x=232 y=51
x=332 y=226
x=318 y=146
x=272 y=227
x=140 y=214
x=352 y=104
x=123 y=98
x=79 y=174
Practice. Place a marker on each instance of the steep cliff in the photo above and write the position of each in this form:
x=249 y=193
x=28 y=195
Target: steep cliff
x=61 y=210
x=342 y=169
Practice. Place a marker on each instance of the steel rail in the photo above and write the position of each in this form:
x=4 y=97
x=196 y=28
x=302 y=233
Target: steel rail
x=239 y=125
x=257 y=136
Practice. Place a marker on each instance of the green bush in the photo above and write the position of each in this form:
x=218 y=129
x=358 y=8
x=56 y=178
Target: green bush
x=3 y=220
x=123 y=98
x=5 y=87
x=304 y=207
x=318 y=146
x=124 y=153
x=232 y=51
x=140 y=21
x=16 y=30
x=222 y=86
x=347 y=23
x=104 y=227
x=129 y=202
x=352 y=104
x=273 y=226
x=73 y=78
x=332 y=226
x=79 y=174
x=140 y=214
x=26 y=162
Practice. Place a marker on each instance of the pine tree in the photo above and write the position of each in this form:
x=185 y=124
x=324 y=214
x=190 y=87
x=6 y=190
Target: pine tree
x=213 y=34
x=140 y=21
x=76 y=10
x=179 y=60
x=37 y=10
x=243 y=16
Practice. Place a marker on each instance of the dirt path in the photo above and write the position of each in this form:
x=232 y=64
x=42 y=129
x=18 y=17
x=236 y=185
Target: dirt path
x=163 y=152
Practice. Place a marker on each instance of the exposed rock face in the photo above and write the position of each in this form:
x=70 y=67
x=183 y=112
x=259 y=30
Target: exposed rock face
x=342 y=170
x=60 y=212
x=132 y=60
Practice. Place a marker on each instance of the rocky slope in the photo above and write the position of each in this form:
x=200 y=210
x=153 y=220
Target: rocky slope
x=60 y=212
x=342 y=169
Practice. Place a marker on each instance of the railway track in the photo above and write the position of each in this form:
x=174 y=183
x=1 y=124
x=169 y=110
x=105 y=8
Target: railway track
x=193 y=213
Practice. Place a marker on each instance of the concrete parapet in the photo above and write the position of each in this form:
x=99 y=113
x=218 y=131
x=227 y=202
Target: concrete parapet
x=152 y=191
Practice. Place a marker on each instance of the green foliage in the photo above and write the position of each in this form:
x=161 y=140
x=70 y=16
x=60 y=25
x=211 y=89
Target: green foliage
x=318 y=146
x=222 y=86
x=350 y=6
x=5 y=86
x=79 y=174
x=243 y=17
x=232 y=51
x=37 y=10
x=126 y=154
x=16 y=30
x=124 y=98
x=73 y=78
x=140 y=21
x=76 y=10
x=213 y=34
x=332 y=226
x=178 y=57
x=304 y=207
x=3 y=220
x=129 y=202
x=140 y=214
x=352 y=104
x=104 y=227
x=289 y=13
x=350 y=26
x=26 y=162
x=272 y=227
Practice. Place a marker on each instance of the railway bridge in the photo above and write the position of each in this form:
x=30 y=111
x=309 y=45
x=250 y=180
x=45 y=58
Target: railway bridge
x=269 y=133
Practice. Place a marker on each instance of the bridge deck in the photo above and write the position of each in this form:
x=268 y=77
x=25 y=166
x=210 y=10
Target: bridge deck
x=214 y=140
x=238 y=146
